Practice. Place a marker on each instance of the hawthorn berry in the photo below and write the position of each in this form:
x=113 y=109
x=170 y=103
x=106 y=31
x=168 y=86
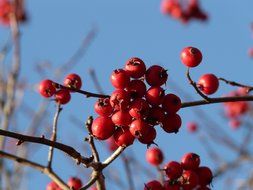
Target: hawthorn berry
x=52 y=186
x=173 y=170
x=102 y=128
x=135 y=67
x=73 y=81
x=156 y=115
x=136 y=89
x=171 y=103
x=138 y=128
x=119 y=99
x=171 y=123
x=62 y=96
x=156 y=75
x=139 y=108
x=75 y=183
x=123 y=137
x=103 y=107
x=111 y=144
x=171 y=186
x=47 y=88
x=190 y=161
x=153 y=185
x=155 y=95
x=154 y=156
x=120 y=79
x=208 y=84
x=205 y=175
x=121 y=118
x=189 y=180
x=191 y=56
x=149 y=137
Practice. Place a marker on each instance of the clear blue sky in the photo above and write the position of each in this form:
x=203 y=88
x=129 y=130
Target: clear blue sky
x=125 y=29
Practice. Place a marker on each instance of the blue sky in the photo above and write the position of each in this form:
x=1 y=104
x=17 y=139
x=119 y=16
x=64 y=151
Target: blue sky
x=126 y=29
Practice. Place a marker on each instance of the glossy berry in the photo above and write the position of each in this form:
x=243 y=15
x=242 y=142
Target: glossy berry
x=120 y=99
x=103 y=107
x=75 y=183
x=171 y=123
x=191 y=56
x=155 y=95
x=121 y=118
x=138 y=128
x=123 y=137
x=52 y=186
x=139 y=108
x=173 y=170
x=112 y=146
x=154 y=156
x=171 y=103
x=47 y=88
x=120 y=79
x=102 y=128
x=208 y=84
x=156 y=75
x=149 y=138
x=189 y=180
x=73 y=81
x=62 y=96
x=135 y=67
x=190 y=161
x=153 y=185
x=192 y=127
x=136 y=89
x=205 y=175
x=156 y=115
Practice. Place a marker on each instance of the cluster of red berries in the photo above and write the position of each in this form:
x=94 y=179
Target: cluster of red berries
x=235 y=110
x=7 y=8
x=74 y=183
x=48 y=88
x=186 y=175
x=192 y=57
x=183 y=11
x=132 y=110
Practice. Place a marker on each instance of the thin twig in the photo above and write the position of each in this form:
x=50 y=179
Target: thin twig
x=54 y=135
x=233 y=83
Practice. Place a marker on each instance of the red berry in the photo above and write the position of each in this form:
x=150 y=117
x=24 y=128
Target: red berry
x=139 y=128
x=121 y=118
x=135 y=67
x=173 y=170
x=153 y=185
x=120 y=79
x=235 y=123
x=171 y=103
x=156 y=75
x=52 y=186
x=154 y=156
x=62 y=96
x=47 y=88
x=169 y=186
x=102 y=128
x=155 y=95
x=123 y=137
x=189 y=180
x=73 y=81
x=156 y=115
x=191 y=56
x=190 y=161
x=171 y=123
x=103 y=107
x=136 y=89
x=192 y=127
x=205 y=175
x=111 y=144
x=149 y=137
x=208 y=84
x=75 y=183
x=139 y=108
x=120 y=99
